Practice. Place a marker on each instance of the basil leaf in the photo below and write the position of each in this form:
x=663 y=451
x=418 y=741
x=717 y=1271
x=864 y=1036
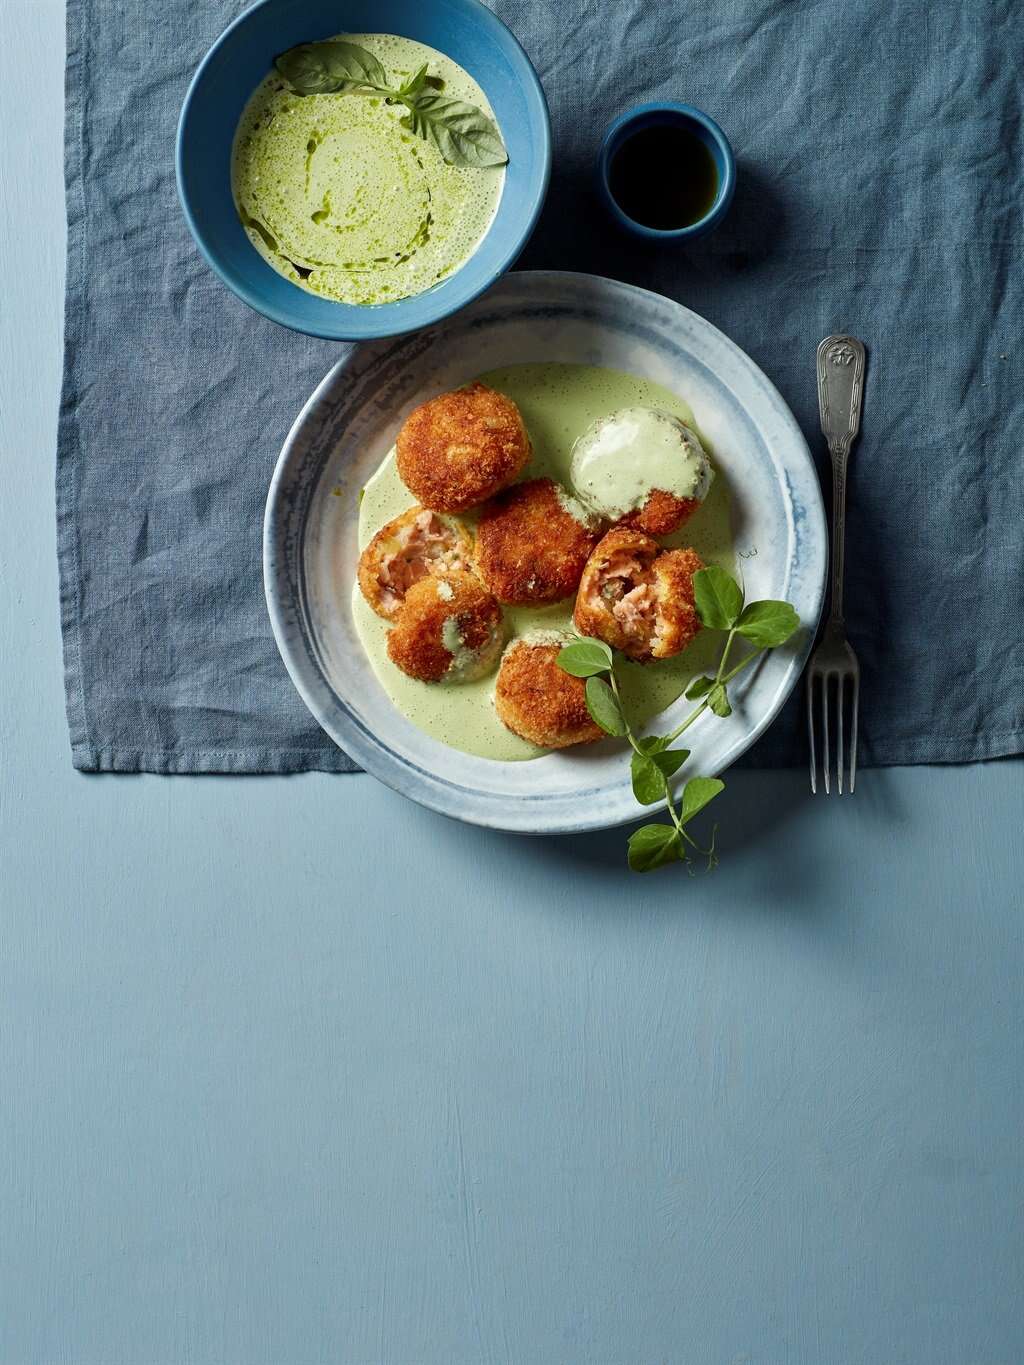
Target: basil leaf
x=305 y=71
x=584 y=658
x=461 y=132
x=604 y=707
x=718 y=700
x=653 y=846
x=416 y=82
x=718 y=597
x=767 y=624
x=699 y=688
x=649 y=783
x=325 y=68
x=696 y=795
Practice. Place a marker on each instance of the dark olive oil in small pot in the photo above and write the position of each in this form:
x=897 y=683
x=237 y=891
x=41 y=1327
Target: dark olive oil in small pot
x=664 y=177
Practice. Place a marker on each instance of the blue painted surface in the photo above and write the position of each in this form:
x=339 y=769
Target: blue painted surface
x=293 y=1070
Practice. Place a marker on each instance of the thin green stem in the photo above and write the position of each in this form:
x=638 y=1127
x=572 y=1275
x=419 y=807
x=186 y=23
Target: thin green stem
x=742 y=664
x=725 y=654
x=613 y=682
x=687 y=722
x=720 y=677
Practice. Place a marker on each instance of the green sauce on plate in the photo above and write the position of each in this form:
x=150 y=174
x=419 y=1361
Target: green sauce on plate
x=342 y=200
x=558 y=402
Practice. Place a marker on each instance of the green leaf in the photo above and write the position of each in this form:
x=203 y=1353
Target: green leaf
x=671 y=760
x=767 y=624
x=696 y=795
x=585 y=657
x=653 y=846
x=699 y=688
x=325 y=68
x=461 y=132
x=653 y=744
x=416 y=82
x=718 y=700
x=652 y=769
x=719 y=599
x=649 y=784
x=604 y=707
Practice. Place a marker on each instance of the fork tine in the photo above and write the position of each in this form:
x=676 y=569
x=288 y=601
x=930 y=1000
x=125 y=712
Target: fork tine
x=824 y=744
x=839 y=739
x=810 y=733
x=853 y=737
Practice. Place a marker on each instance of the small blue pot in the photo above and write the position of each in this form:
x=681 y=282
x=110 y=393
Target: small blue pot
x=667 y=115
x=464 y=30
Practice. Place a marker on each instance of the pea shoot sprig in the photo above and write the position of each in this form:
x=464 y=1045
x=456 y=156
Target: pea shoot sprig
x=654 y=763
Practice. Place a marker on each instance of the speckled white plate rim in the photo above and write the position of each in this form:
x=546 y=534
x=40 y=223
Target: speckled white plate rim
x=390 y=368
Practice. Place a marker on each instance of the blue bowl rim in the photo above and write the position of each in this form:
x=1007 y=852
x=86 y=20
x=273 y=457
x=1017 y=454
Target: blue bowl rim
x=684 y=113
x=534 y=93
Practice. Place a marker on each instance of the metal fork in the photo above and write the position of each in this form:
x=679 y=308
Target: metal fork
x=840 y=390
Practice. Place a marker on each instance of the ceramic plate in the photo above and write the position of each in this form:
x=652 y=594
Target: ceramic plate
x=348 y=426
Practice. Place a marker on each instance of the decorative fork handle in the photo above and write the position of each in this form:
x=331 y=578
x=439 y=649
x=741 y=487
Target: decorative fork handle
x=840 y=390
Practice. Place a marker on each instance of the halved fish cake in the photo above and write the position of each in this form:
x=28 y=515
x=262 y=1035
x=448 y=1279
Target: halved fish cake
x=536 y=700
x=457 y=450
x=533 y=541
x=413 y=546
x=448 y=629
x=637 y=597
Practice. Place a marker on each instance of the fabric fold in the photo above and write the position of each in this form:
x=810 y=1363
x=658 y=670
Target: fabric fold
x=879 y=187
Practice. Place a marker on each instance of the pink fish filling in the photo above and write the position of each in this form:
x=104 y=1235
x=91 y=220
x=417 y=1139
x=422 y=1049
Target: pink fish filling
x=426 y=546
x=629 y=594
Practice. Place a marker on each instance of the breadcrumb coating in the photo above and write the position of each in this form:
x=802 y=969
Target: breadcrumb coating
x=539 y=702
x=448 y=629
x=457 y=450
x=661 y=514
x=533 y=541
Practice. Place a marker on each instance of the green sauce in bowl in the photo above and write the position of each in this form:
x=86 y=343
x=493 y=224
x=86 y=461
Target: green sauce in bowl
x=346 y=203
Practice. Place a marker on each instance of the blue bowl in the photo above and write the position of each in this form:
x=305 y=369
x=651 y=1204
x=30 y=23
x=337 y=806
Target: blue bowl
x=243 y=55
x=662 y=115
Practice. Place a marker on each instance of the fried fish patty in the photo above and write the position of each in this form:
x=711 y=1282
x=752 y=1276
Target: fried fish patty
x=661 y=514
x=638 y=597
x=642 y=468
x=533 y=541
x=448 y=629
x=536 y=700
x=458 y=449
x=409 y=548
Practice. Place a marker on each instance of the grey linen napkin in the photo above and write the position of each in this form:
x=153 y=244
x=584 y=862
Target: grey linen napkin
x=880 y=179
